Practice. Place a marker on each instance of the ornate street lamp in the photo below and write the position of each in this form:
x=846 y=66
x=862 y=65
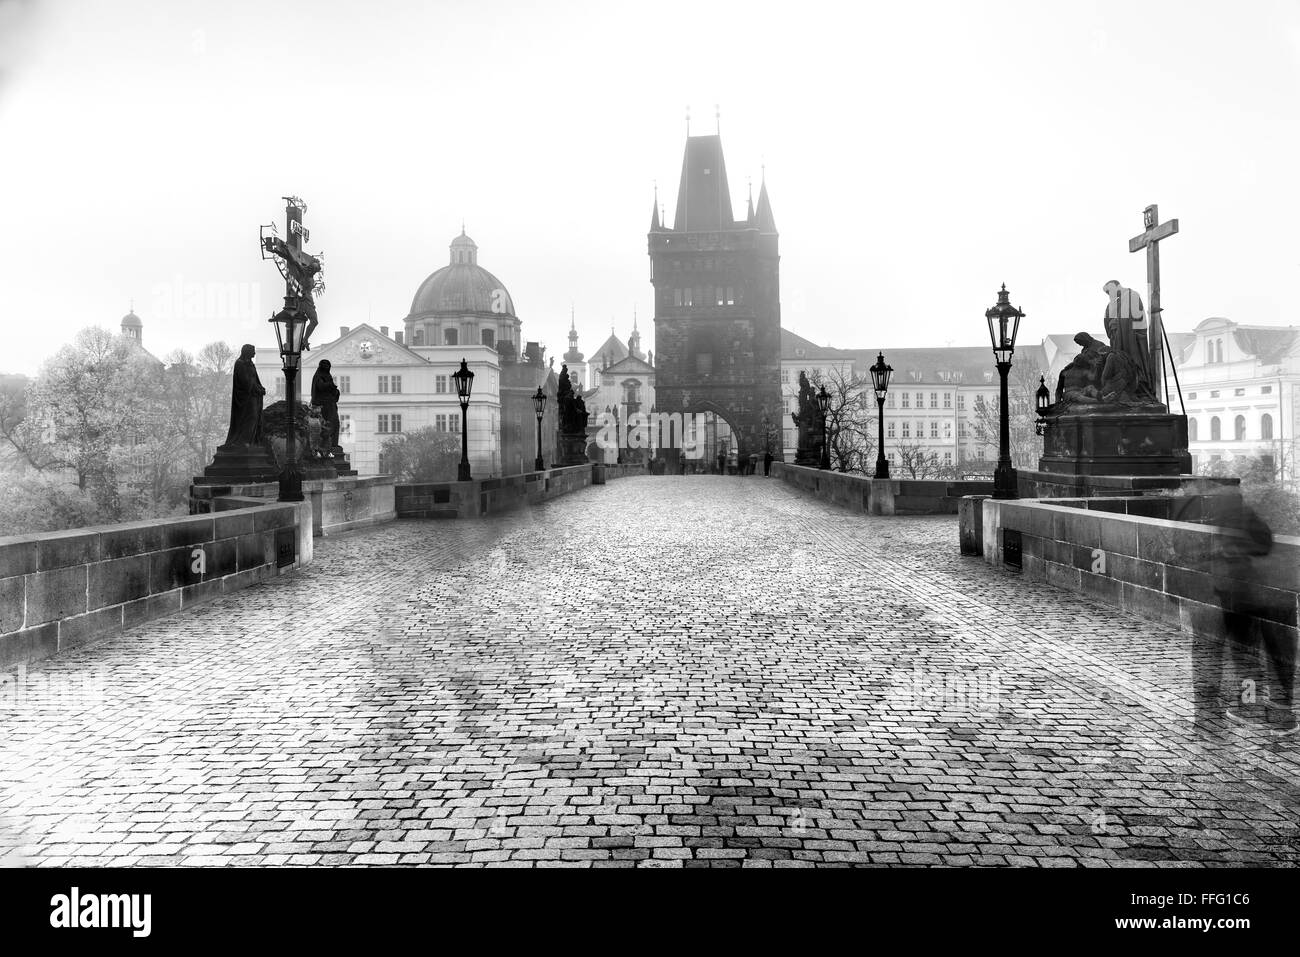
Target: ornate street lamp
x=464 y=384
x=880 y=373
x=290 y=327
x=824 y=406
x=1004 y=322
x=539 y=406
x=1042 y=402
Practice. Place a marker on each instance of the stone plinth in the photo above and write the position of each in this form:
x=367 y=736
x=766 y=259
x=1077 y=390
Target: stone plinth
x=572 y=449
x=239 y=463
x=338 y=504
x=1116 y=443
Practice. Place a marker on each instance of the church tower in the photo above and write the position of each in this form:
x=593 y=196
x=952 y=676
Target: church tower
x=574 y=358
x=717 y=302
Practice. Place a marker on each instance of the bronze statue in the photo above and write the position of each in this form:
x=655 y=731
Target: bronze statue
x=1126 y=325
x=301 y=273
x=325 y=393
x=1102 y=379
x=808 y=421
x=245 y=401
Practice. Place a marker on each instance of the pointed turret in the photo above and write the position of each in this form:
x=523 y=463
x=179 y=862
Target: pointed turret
x=654 y=218
x=703 y=197
x=764 y=214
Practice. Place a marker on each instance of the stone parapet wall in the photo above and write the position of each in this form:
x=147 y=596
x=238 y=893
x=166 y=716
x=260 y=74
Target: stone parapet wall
x=1143 y=564
x=492 y=496
x=881 y=496
x=338 y=505
x=59 y=590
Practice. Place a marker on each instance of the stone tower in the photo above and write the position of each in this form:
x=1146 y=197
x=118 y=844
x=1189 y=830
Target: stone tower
x=717 y=302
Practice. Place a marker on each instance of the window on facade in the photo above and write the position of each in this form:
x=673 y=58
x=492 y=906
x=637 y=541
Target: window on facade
x=1265 y=426
x=907 y=397
x=1239 y=428
x=383 y=423
x=395 y=421
x=677 y=297
x=961 y=401
x=383 y=385
x=1238 y=391
x=961 y=430
x=704 y=363
x=934 y=430
x=453 y=422
x=947 y=458
x=417 y=337
x=440 y=383
x=1209 y=353
x=720 y=296
x=947 y=430
x=1191 y=429
x=488 y=337
x=907 y=430
x=934 y=400
x=1214 y=394
x=345 y=426
x=785 y=376
x=279 y=386
x=396 y=383
x=889 y=429
x=1214 y=428
x=451 y=337
x=731 y=296
x=345 y=384
x=1218 y=350
x=890 y=456
x=1191 y=395
x=947 y=400
x=889 y=400
x=1266 y=390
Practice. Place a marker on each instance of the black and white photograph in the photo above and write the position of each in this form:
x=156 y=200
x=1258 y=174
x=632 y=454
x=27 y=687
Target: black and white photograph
x=443 y=436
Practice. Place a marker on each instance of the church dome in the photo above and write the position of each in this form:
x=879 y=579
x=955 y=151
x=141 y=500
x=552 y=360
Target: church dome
x=462 y=287
x=132 y=320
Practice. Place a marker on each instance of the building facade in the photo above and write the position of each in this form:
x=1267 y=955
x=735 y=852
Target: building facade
x=1239 y=385
x=400 y=383
x=717 y=315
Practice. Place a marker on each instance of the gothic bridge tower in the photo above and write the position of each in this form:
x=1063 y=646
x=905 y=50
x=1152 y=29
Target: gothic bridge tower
x=717 y=302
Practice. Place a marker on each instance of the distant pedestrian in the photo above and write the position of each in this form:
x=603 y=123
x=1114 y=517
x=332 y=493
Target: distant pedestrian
x=767 y=464
x=753 y=463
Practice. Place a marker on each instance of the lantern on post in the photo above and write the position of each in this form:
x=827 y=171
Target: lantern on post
x=539 y=406
x=1042 y=402
x=1004 y=324
x=464 y=385
x=880 y=373
x=824 y=407
x=290 y=328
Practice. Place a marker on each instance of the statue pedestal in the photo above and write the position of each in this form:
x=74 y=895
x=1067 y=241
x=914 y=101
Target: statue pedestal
x=240 y=463
x=572 y=448
x=1116 y=443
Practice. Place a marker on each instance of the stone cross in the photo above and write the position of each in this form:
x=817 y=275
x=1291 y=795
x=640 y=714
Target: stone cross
x=1150 y=241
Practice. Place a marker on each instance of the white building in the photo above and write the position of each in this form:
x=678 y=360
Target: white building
x=1239 y=385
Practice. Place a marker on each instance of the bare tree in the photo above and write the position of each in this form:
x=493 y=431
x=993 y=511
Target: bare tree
x=850 y=424
x=916 y=461
x=1026 y=445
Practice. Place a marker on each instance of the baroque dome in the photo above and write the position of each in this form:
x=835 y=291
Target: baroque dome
x=462 y=287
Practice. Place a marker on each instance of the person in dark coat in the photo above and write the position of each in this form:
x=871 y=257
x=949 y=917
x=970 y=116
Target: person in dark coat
x=245 y=401
x=767 y=464
x=325 y=394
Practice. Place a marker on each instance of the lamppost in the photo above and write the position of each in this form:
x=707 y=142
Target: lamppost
x=290 y=326
x=539 y=406
x=1004 y=322
x=464 y=383
x=1042 y=402
x=880 y=373
x=824 y=406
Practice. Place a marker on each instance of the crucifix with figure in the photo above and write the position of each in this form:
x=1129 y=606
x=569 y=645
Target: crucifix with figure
x=1150 y=241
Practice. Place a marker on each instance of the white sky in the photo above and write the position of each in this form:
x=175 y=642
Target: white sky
x=918 y=155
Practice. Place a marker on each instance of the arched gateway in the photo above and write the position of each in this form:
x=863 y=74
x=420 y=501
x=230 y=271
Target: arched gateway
x=717 y=304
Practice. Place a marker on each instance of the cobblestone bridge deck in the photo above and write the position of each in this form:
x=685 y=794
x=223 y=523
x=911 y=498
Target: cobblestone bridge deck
x=666 y=671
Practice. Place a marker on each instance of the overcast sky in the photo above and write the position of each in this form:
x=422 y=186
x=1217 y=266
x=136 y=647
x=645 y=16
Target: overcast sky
x=917 y=156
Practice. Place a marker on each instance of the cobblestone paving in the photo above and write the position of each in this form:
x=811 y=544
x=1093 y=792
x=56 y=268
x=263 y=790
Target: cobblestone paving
x=696 y=671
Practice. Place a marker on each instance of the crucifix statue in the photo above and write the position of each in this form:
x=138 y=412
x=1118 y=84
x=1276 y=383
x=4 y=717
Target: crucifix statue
x=1150 y=240
x=300 y=269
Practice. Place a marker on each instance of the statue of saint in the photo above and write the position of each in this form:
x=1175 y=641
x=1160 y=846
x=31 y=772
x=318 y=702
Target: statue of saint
x=808 y=422
x=1102 y=379
x=246 y=401
x=1126 y=325
x=325 y=393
